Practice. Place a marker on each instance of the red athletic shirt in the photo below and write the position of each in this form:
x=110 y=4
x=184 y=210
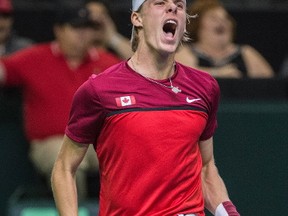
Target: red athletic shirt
x=146 y=138
x=49 y=84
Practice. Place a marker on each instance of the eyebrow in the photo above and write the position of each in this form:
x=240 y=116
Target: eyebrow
x=183 y=1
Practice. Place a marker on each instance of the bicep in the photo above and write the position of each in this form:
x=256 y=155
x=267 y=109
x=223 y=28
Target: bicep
x=206 y=149
x=71 y=154
x=214 y=189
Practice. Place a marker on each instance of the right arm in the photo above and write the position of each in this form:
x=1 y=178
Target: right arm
x=64 y=174
x=83 y=126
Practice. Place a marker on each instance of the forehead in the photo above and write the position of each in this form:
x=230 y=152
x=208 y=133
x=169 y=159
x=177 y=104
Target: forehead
x=175 y=1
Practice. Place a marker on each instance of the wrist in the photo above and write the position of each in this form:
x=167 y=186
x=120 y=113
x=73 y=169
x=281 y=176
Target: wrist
x=226 y=208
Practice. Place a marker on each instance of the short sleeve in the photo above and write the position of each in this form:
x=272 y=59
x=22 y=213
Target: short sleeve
x=212 y=113
x=86 y=115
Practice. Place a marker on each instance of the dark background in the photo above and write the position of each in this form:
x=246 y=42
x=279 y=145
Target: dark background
x=251 y=141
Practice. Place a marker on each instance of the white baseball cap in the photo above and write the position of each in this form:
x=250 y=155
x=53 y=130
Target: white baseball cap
x=136 y=4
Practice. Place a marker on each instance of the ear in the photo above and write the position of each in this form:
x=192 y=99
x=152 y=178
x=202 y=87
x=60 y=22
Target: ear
x=136 y=19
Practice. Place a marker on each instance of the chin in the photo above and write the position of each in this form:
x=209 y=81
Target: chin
x=168 y=50
x=172 y=47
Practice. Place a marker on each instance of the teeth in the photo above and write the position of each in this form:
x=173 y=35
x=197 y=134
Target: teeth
x=170 y=26
x=171 y=21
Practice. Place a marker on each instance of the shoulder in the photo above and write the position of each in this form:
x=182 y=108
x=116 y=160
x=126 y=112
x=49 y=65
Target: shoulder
x=34 y=49
x=196 y=74
x=21 y=56
x=201 y=80
x=108 y=74
x=100 y=84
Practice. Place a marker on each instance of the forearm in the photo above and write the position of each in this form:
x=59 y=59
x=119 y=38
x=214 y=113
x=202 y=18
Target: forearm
x=121 y=45
x=64 y=190
x=214 y=189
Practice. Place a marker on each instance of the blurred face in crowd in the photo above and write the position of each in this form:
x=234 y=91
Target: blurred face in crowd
x=5 y=27
x=99 y=14
x=216 y=24
x=74 y=41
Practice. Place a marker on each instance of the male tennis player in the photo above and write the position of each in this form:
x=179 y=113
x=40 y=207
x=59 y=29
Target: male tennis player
x=151 y=121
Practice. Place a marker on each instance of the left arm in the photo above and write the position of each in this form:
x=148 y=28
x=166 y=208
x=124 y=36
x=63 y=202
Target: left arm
x=214 y=190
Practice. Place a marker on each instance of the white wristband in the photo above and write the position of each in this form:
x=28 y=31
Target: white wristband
x=221 y=211
x=226 y=208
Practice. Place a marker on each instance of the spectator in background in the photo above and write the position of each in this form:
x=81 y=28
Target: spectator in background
x=106 y=35
x=212 y=48
x=151 y=121
x=49 y=74
x=9 y=41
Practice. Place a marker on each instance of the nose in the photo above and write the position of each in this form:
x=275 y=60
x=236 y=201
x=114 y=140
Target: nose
x=172 y=8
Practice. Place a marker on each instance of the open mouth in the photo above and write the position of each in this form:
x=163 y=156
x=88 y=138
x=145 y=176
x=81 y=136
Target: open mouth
x=170 y=27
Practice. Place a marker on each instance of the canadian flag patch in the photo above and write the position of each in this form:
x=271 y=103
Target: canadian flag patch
x=125 y=101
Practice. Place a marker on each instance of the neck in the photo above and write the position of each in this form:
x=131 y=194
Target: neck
x=152 y=79
x=157 y=68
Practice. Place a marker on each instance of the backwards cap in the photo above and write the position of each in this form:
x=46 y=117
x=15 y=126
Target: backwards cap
x=136 y=4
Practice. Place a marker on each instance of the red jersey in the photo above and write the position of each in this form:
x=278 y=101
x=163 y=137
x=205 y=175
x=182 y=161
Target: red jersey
x=49 y=84
x=146 y=138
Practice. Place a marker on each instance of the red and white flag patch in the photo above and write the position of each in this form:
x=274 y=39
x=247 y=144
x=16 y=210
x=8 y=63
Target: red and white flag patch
x=125 y=101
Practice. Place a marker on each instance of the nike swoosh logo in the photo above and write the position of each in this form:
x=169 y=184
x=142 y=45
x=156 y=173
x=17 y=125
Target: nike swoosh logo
x=192 y=100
